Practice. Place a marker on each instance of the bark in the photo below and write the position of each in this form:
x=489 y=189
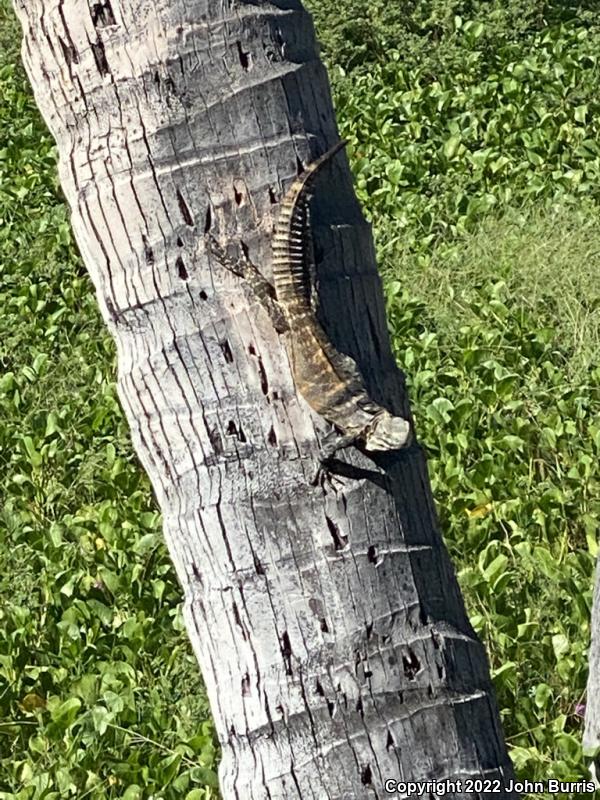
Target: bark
x=327 y=621
x=591 y=735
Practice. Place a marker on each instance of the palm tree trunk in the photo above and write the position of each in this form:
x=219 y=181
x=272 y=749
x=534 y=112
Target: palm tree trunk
x=327 y=620
x=591 y=735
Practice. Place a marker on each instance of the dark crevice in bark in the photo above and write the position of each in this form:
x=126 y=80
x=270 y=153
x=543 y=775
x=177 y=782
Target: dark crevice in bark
x=272 y=437
x=272 y=197
x=411 y=664
x=361 y=672
x=245 y=250
x=295 y=780
x=244 y=56
x=208 y=220
x=286 y=652
x=102 y=15
x=153 y=170
x=235 y=430
x=238 y=196
x=366 y=776
x=181 y=270
x=226 y=350
x=110 y=307
x=171 y=89
x=185 y=211
x=259 y=568
x=100 y=58
x=69 y=52
x=264 y=383
x=148 y=252
x=202 y=295
x=339 y=540
x=223 y=529
x=238 y=620
x=67 y=30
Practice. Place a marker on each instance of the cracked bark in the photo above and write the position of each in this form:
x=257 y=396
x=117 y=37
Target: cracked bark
x=591 y=735
x=326 y=620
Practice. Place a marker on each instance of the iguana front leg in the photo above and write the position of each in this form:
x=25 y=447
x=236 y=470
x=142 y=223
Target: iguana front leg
x=259 y=285
x=263 y=290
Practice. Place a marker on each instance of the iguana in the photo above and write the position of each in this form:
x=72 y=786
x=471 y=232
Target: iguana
x=328 y=380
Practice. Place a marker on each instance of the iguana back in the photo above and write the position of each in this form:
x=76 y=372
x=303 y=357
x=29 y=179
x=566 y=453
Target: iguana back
x=329 y=380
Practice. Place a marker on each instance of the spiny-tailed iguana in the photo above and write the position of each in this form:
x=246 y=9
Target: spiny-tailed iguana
x=328 y=380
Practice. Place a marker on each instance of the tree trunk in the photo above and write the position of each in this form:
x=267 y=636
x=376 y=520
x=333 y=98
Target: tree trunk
x=591 y=734
x=327 y=620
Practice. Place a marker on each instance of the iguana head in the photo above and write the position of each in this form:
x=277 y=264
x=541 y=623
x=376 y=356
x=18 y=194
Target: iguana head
x=387 y=432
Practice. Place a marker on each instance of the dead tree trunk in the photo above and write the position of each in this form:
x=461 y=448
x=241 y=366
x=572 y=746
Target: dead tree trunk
x=327 y=622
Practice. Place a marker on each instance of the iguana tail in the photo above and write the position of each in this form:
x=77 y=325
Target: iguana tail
x=292 y=239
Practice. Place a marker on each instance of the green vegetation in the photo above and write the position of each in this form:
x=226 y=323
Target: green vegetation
x=475 y=142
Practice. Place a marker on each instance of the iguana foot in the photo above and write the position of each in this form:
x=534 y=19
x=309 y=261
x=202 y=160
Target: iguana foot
x=330 y=445
x=322 y=475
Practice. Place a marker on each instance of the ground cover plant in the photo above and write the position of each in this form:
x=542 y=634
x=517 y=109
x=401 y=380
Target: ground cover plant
x=473 y=130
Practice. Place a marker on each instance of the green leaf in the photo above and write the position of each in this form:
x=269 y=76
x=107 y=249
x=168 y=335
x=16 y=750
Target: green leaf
x=451 y=146
x=52 y=425
x=496 y=568
x=66 y=713
x=560 y=645
x=133 y=792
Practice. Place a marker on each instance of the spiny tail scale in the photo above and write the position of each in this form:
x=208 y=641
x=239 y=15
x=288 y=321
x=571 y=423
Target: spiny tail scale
x=290 y=248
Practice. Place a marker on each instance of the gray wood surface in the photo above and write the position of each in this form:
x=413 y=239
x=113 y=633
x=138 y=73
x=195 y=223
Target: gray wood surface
x=327 y=620
x=591 y=734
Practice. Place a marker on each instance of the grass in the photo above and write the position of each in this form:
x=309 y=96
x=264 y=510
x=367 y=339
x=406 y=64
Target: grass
x=549 y=261
x=474 y=140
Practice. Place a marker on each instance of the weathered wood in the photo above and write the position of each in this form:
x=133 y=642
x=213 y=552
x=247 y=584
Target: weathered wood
x=591 y=735
x=327 y=620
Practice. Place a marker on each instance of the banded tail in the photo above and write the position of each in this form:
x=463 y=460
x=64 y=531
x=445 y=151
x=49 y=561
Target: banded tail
x=292 y=240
